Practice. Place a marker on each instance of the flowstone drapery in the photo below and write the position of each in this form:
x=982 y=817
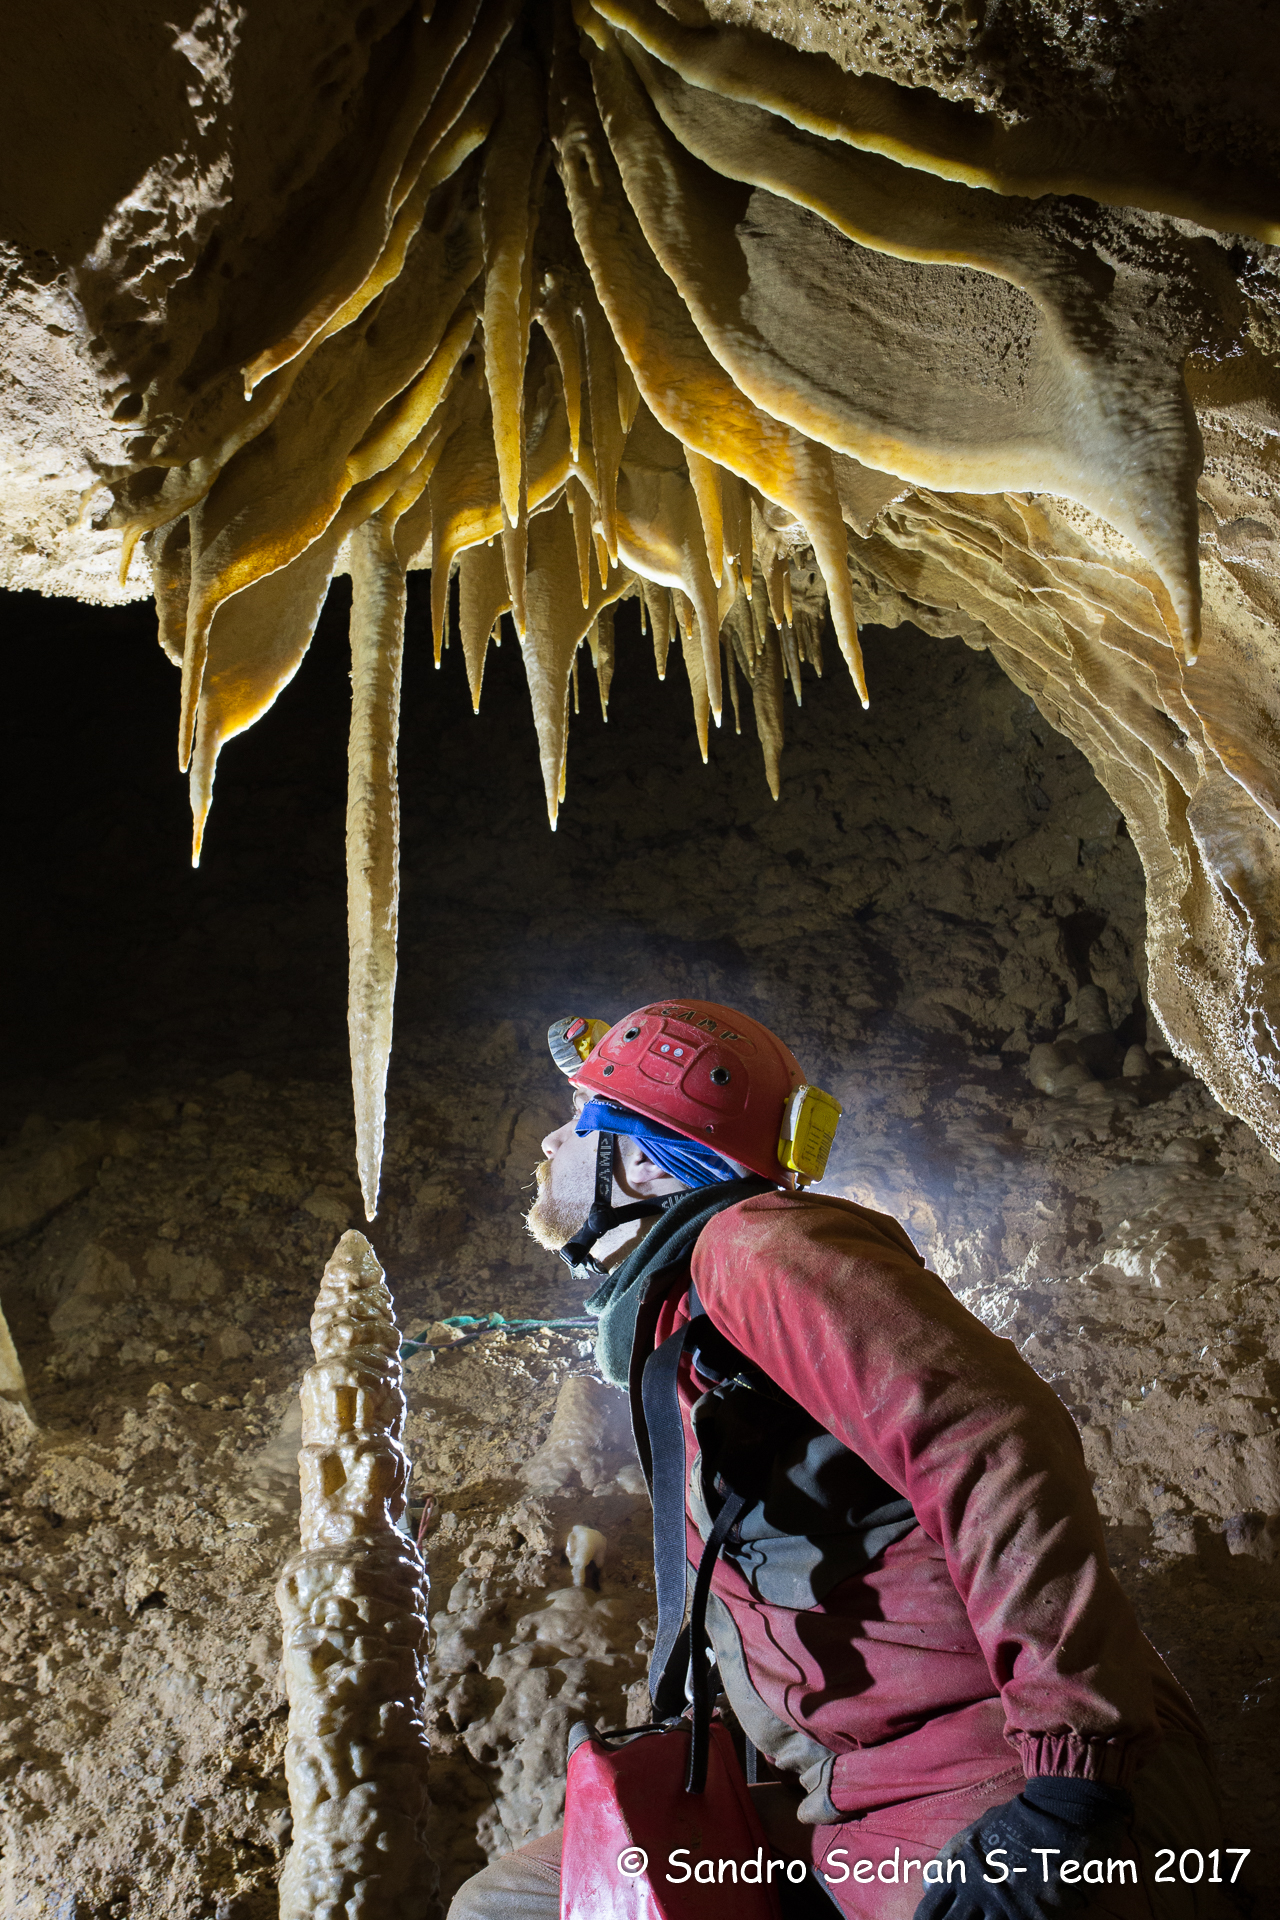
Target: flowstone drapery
x=354 y=1607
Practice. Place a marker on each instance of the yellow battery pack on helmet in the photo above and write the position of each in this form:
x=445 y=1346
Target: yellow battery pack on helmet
x=572 y=1039
x=809 y=1122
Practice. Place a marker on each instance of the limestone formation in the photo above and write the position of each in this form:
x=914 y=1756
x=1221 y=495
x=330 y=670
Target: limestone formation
x=585 y=1548
x=739 y=309
x=354 y=1607
x=578 y=1443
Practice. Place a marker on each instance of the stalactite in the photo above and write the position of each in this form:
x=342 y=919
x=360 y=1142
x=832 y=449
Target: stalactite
x=465 y=507
x=509 y=186
x=602 y=655
x=732 y=677
x=170 y=557
x=607 y=433
x=373 y=835
x=766 y=697
x=482 y=600
x=683 y=384
x=691 y=648
x=661 y=618
x=554 y=313
x=283 y=491
x=706 y=478
x=353 y=1605
x=1115 y=431
x=791 y=659
x=558 y=622
x=580 y=510
x=451 y=55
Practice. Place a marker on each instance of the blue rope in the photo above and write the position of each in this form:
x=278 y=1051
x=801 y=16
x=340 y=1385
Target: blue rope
x=478 y=1325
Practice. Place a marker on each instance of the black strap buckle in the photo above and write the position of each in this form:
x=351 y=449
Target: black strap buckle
x=604 y=1216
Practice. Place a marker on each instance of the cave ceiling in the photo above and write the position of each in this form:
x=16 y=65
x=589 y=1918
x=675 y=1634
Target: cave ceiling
x=778 y=318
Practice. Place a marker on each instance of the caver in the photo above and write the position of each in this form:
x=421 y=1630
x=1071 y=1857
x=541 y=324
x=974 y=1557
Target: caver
x=912 y=1616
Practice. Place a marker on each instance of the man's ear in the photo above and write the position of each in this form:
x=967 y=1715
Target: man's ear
x=642 y=1174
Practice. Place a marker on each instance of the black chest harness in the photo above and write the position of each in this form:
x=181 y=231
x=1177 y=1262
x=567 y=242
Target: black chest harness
x=788 y=1505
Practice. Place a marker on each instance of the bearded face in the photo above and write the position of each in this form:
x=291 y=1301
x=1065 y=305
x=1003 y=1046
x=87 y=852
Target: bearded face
x=566 y=1190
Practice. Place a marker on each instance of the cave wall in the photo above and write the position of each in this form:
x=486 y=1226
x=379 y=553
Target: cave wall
x=923 y=906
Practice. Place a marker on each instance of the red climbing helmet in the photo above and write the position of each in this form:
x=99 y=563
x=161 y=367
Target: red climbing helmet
x=713 y=1075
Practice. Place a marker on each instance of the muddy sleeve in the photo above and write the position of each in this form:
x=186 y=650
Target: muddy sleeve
x=834 y=1304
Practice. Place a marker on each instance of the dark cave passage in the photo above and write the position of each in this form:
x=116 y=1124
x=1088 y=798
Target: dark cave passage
x=129 y=963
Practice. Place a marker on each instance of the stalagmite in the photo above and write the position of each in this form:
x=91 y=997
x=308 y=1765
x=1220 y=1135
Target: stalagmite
x=585 y=1547
x=15 y=1400
x=353 y=1604
x=373 y=835
x=576 y=1442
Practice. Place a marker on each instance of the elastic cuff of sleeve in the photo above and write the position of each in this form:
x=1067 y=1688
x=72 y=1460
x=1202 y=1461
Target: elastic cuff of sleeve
x=1069 y=1756
x=1083 y=1803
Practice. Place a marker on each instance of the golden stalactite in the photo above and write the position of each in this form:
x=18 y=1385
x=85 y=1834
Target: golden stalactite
x=681 y=379
x=604 y=411
x=661 y=618
x=373 y=834
x=694 y=664
x=705 y=478
x=510 y=188
x=558 y=623
x=731 y=676
x=483 y=598
x=450 y=57
x=466 y=508
x=601 y=641
x=554 y=313
x=285 y=487
x=170 y=556
x=580 y=507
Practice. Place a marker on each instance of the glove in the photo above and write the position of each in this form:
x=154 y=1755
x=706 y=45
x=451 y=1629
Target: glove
x=1005 y=1878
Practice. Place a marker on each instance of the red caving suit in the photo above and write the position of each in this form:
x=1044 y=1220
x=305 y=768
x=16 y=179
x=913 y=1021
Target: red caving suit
x=989 y=1640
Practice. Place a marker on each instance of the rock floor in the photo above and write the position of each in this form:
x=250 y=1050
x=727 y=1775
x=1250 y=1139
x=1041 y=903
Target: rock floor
x=942 y=888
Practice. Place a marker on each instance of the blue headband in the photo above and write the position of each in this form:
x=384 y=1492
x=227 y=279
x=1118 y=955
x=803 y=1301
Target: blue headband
x=687 y=1160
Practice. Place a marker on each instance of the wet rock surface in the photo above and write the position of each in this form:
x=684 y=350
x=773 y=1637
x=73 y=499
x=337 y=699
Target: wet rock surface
x=942 y=894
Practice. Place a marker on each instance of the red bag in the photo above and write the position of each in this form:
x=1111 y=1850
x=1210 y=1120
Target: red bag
x=637 y=1842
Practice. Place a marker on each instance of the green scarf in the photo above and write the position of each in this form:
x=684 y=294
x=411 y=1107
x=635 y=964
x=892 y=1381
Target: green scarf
x=617 y=1300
